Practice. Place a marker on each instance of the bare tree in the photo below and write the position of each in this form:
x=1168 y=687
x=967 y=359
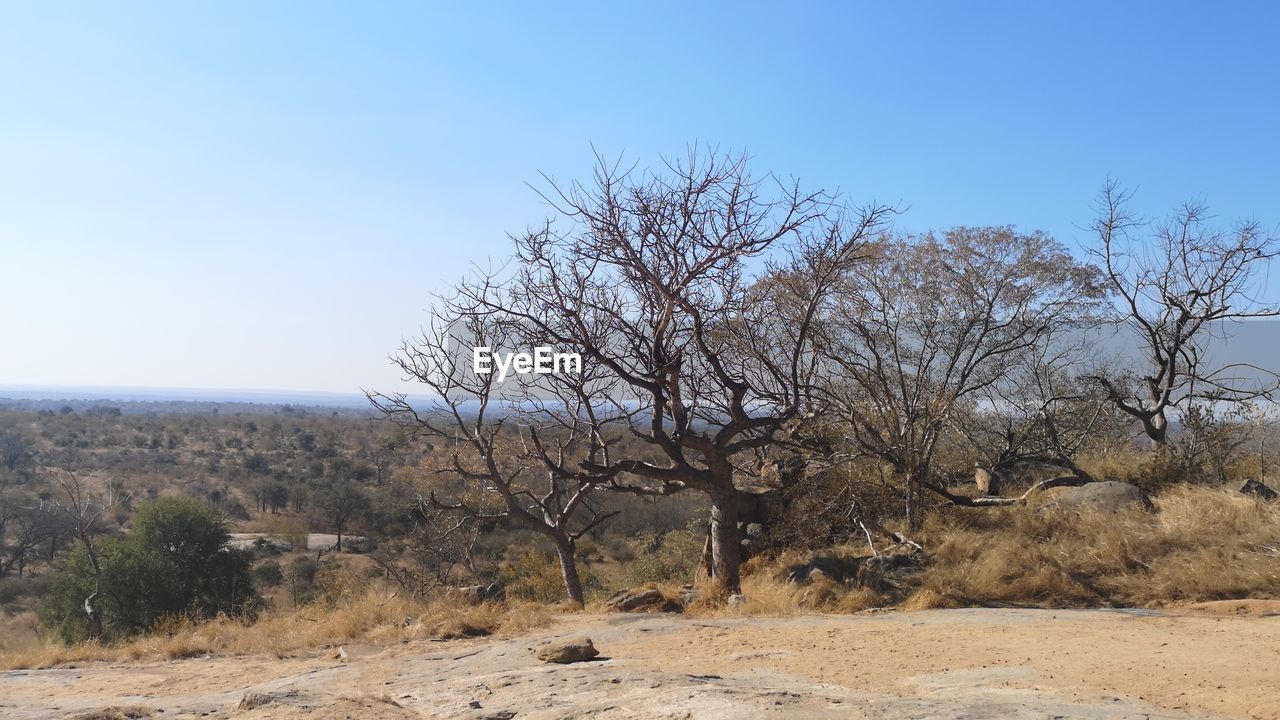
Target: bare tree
x=1045 y=412
x=339 y=504
x=691 y=294
x=25 y=524
x=1179 y=286
x=84 y=501
x=504 y=476
x=931 y=324
x=695 y=290
x=13 y=451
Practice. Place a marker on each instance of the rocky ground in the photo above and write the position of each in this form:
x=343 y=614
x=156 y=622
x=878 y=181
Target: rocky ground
x=1218 y=660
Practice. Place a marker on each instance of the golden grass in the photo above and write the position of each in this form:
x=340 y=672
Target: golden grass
x=764 y=594
x=375 y=617
x=1200 y=544
x=19 y=630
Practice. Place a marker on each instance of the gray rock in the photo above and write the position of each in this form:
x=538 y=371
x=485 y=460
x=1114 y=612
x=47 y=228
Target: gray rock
x=642 y=600
x=568 y=651
x=1259 y=490
x=254 y=700
x=1107 y=496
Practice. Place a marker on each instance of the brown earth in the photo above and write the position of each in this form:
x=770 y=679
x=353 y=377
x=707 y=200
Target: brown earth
x=1210 y=660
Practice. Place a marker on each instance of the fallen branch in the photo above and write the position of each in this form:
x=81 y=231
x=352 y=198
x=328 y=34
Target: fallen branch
x=966 y=501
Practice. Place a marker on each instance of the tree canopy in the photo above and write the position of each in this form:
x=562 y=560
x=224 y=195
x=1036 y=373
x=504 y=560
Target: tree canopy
x=174 y=561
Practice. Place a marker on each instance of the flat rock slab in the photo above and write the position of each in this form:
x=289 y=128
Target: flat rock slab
x=979 y=664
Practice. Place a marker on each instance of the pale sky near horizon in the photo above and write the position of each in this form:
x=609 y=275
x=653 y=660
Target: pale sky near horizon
x=264 y=195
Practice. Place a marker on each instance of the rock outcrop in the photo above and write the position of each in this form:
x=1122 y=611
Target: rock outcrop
x=1259 y=490
x=642 y=599
x=1106 y=496
x=568 y=651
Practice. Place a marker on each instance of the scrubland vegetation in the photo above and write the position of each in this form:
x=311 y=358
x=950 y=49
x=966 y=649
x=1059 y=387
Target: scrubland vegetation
x=785 y=406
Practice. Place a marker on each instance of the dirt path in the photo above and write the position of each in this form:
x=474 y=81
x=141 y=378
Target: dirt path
x=977 y=663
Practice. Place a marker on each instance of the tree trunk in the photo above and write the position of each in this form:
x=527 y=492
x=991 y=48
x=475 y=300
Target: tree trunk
x=914 y=485
x=93 y=618
x=569 y=569
x=726 y=548
x=1156 y=429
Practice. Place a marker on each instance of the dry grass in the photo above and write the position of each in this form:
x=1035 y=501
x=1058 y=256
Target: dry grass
x=1200 y=544
x=19 y=630
x=375 y=617
x=764 y=594
x=115 y=713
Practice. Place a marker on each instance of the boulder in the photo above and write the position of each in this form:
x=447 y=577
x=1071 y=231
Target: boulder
x=254 y=700
x=568 y=651
x=642 y=600
x=1259 y=490
x=1107 y=496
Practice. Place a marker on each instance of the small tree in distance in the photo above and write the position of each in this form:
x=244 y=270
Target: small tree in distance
x=339 y=504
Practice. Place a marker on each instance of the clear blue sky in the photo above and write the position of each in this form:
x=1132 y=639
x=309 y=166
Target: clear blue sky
x=263 y=195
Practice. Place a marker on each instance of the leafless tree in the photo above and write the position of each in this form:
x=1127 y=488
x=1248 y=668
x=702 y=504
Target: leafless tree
x=26 y=523
x=1045 y=411
x=1179 y=286
x=931 y=324
x=84 y=501
x=691 y=294
x=695 y=290
x=427 y=554
x=504 y=476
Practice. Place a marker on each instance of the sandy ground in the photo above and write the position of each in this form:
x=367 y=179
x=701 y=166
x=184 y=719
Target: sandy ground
x=1218 y=660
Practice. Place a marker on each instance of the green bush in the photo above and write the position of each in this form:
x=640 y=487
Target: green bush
x=532 y=575
x=174 y=561
x=535 y=575
x=666 y=557
x=268 y=574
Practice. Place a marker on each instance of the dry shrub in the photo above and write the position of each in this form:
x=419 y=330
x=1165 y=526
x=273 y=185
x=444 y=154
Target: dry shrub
x=115 y=713
x=764 y=593
x=927 y=599
x=287 y=530
x=1200 y=544
x=378 y=616
x=521 y=617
